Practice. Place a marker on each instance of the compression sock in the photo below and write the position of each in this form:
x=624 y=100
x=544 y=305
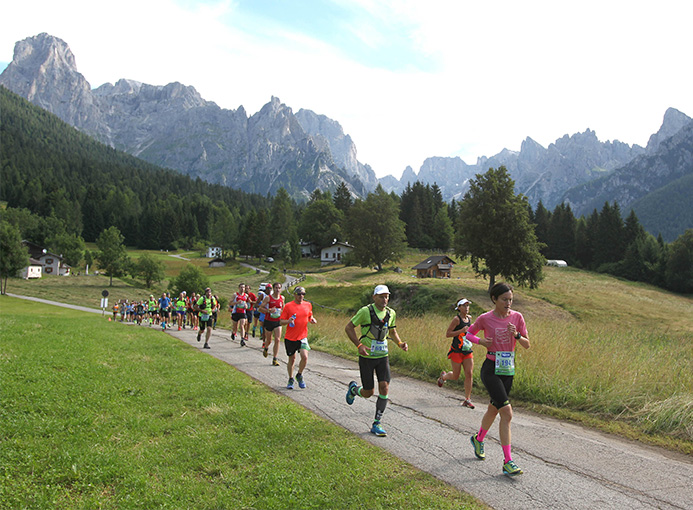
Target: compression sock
x=380 y=405
x=506 y=453
x=358 y=391
x=481 y=434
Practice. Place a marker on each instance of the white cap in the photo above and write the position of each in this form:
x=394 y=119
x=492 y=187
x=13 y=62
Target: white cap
x=381 y=289
x=462 y=302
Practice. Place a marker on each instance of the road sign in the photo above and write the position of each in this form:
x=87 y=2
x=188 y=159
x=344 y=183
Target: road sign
x=104 y=293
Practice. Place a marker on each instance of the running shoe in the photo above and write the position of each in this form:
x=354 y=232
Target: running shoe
x=206 y=346
x=378 y=430
x=179 y=328
x=511 y=469
x=301 y=382
x=478 y=447
x=290 y=385
x=198 y=337
x=351 y=392
x=275 y=362
x=242 y=343
x=233 y=336
x=468 y=403
x=264 y=351
x=441 y=381
x=253 y=331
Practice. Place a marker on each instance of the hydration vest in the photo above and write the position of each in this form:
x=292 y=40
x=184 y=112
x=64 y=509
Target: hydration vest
x=378 y=327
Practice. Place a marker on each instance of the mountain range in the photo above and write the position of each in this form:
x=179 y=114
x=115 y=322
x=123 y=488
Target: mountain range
x=174 y=127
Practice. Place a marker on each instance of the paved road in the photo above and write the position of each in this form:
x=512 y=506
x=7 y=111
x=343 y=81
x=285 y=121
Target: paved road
x=566 y=466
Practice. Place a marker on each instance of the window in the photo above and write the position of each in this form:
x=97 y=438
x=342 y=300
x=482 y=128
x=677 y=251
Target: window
x=49 y=261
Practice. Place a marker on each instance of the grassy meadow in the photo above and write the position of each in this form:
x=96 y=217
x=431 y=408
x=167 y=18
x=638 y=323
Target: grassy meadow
x=103 y=415
x=608 y=353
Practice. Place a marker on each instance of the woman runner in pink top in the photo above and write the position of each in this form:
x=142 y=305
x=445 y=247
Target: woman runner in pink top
x=502 y=328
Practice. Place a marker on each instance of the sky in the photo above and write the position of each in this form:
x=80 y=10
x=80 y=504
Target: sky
x=406 y=79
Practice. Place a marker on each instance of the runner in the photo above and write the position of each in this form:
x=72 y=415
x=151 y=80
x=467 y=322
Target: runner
x=272 y=307
x=259 y=317
x=151 y=307
x=180 y=310
x=204 y=307
x=502 y=328
x=164 y=307
x=460 y=353
x=297 y=314
x=377 y=322
x=252 y=303
x=238 y=306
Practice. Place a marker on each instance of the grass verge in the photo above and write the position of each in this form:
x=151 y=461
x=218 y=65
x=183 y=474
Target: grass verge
x=94 y=417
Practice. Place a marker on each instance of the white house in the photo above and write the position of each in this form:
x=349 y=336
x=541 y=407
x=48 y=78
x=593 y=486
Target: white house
x=50 y=262
x=213 y=252
x=33 y=270
x=334 y=253
x=308 y=249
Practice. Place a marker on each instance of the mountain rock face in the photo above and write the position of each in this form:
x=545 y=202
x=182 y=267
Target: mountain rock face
x=540 y=174
x=174 y=127
x=329 y=135
x=671 y=161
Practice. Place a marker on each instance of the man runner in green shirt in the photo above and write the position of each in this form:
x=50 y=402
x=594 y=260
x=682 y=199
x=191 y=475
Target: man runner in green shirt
x=377 y=323
x=205 y=305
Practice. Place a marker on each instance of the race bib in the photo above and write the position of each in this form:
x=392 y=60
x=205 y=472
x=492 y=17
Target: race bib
x=275 y=315
x=505 y=362
x=204 y=316
x=379 y=346
x=240 y=305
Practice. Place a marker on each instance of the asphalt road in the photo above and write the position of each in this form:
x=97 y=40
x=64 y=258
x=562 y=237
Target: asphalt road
x=565 y=466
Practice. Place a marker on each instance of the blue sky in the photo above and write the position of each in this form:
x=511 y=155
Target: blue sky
x=407 y=79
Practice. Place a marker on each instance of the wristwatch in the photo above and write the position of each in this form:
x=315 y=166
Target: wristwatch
x=517 y=335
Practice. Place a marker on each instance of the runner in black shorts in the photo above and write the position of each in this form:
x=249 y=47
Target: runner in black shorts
x=502 y=328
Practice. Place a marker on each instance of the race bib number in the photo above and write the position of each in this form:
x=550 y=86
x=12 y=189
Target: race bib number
x=379 y=346
x=276 y=314
x=304 y=344
x=241 y=305
x=204 y=316
x=505 y=363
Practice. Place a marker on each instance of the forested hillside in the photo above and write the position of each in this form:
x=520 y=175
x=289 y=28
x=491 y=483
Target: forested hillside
x=51 y=169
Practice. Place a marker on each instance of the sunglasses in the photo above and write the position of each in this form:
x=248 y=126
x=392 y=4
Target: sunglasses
x=300 y=293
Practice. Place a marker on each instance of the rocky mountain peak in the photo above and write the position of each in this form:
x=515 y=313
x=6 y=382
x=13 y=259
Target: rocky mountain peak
x=673 y=122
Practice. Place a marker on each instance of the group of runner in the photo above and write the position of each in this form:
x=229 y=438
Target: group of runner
x=166 y=312
x=369 y=330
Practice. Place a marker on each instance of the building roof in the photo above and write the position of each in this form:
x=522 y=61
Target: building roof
x=36 y=251
x=338 y=243
x=433 y=261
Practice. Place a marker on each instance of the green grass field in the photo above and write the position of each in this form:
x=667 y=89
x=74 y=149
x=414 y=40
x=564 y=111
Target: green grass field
x=103 y=415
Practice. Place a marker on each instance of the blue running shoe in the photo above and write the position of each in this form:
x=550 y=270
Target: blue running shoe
x=301 y=382
x=478 y=447
x=290 y=385
x=511 y=469
x=378 y=430
x=351 y=392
